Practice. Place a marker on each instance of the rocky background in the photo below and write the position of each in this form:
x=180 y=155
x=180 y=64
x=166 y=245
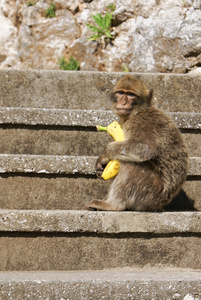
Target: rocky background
x=150 y=35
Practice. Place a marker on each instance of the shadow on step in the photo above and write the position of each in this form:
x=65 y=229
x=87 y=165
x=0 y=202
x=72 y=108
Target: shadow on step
x=181 y=202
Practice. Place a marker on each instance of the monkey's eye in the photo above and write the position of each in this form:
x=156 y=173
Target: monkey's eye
x=120 y=92
x=130 y=94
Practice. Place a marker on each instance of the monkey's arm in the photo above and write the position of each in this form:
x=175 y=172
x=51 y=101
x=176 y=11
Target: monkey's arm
x=130 y=151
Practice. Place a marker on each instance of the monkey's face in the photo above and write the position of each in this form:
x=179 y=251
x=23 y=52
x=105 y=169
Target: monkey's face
x=124 y=102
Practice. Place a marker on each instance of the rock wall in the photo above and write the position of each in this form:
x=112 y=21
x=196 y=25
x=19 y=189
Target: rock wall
x=150 y=35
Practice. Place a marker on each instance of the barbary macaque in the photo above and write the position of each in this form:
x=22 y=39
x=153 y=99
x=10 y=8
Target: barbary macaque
x=153 y=156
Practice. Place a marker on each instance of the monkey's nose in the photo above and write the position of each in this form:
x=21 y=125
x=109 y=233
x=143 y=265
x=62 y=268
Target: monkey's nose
x=124 y=100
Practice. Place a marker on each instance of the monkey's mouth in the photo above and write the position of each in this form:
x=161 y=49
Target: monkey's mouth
x=123 y=111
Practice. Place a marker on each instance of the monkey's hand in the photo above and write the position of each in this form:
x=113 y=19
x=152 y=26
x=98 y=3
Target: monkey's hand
x=101 y=163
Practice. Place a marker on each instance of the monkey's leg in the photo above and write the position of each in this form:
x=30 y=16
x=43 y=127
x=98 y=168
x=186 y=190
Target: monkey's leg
x=112 y=203
x=99 y=205
x=114 y=200
x=104 y=205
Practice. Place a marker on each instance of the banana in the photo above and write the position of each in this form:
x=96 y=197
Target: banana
x=111 y=169
x=115 y=130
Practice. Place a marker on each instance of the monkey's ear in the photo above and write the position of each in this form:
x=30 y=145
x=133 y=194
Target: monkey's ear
x=149 y=96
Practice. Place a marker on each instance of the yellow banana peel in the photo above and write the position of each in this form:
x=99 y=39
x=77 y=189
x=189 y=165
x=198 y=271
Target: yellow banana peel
x=115 y=130
x=111 y=169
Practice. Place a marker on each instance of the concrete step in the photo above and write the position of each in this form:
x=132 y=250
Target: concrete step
x=91 y=90
x=63 y=132
x=81 y=118
x=51 y=191
x=116 y=284
x=81 y=240
x=68 y=141
x=68 y=182
x=60 y=164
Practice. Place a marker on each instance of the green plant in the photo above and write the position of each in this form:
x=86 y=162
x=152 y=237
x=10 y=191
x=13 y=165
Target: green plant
x=103 y=27
x=125 y=68
x=71 y=65
x=51 y=11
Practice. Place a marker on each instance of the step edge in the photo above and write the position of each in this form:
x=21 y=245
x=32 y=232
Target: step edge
x=79 y=117
x=136 y=274
x=64 y=164
x=81 y=221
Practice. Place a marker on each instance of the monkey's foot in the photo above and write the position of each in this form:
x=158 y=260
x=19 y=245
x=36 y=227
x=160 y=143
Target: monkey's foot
x=99 y=205
x=92 y=205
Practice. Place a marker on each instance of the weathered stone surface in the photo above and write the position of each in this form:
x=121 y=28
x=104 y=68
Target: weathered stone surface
x=53 y=141
x=47 y=164
x=73 y=192
x=77 y=240
x=41 y=43
x=63 y=117
x=50 y=192
x=54 y=164
x=66 y=141
x=91 y=90
x=99 y=222
x=187 y=120
x=114 y=284
x=83 y=251
x=78 y=117
x=195 y=166
x=192 y=141
x=150 y=36
x=86 y=163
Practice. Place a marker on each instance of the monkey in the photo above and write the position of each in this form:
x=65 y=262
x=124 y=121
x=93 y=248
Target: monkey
x=153 y=157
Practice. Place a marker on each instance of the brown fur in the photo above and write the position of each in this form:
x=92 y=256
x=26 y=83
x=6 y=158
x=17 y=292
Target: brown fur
x=154 y=159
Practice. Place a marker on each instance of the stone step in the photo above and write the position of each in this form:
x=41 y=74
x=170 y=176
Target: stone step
x=80 y=221
x=61 y=164
x=81 y=118
x=52 y=191
x=91 y=90
x=63 y=132
x=68 y=182
x=82 y=240
x=68 y=141
x=113 y=284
